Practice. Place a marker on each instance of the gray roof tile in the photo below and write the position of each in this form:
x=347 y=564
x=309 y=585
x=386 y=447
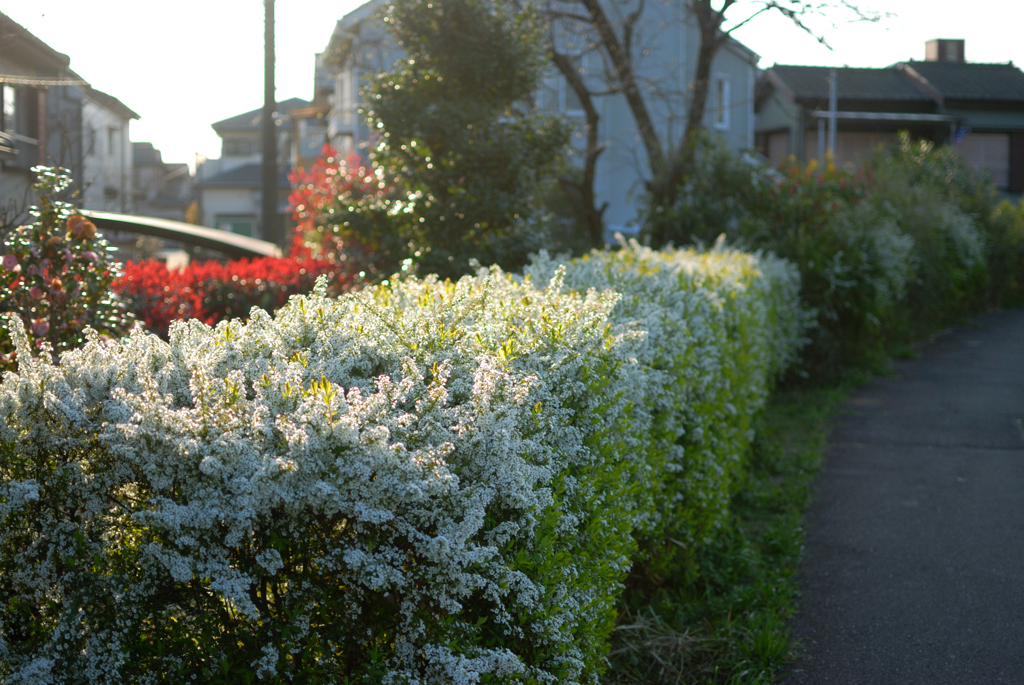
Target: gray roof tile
x=974 y=81
x=811 y=83
x=250 y=121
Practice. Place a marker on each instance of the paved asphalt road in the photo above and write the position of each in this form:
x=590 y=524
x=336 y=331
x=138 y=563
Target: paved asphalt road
x=914 y=562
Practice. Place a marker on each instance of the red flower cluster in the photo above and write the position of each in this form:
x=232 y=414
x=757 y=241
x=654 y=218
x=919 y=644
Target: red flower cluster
x=213 y=291
x=319 y=202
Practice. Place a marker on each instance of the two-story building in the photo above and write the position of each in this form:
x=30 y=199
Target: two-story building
x=229 y=188
x=50 y=116
x=41 y=102
x=107 y=163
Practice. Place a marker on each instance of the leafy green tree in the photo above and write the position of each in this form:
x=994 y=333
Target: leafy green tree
x=458 y=137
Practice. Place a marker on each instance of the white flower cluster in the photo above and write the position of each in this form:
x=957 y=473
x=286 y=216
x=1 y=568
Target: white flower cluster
x=423 y=482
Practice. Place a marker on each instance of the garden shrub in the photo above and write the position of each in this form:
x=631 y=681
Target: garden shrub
x=393 y=487
x=422 y=481
x=853 y=258
x=947 y=264
x=333 y=207
x=214 y=291
x=55 y=273
x=1005 y=241
x=458 y=136
x=721 y=327
x=910 y=242
x=718 y=196
x=965 y=258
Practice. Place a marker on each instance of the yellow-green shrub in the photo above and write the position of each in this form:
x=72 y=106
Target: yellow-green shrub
x=721 y=327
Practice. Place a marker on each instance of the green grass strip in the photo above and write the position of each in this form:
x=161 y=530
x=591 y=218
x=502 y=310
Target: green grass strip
x=726 y=620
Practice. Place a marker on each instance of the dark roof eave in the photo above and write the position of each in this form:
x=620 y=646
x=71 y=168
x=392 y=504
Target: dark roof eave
x=110 y=102
x=887 y=116
x=978 y=103
x=18 y=39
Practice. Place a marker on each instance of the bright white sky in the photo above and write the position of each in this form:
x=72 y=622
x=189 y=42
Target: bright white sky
x=184 y=64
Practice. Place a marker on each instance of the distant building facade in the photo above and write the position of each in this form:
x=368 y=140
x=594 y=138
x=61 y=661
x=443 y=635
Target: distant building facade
x=229 y=188
x=979 y=108
x=161 y=189
x=107 y=159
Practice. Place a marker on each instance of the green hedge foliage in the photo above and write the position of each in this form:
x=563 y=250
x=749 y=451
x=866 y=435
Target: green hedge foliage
x=911 y=241
x=720 y=326
x=422 y=482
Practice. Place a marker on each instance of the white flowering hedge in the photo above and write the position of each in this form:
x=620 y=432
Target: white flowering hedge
x=422 y=482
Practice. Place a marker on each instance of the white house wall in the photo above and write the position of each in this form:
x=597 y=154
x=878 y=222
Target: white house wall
x=220 y=202
x=107 y=160
x=665 y=67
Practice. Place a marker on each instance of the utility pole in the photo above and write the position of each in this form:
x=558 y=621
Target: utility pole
x=270 y=228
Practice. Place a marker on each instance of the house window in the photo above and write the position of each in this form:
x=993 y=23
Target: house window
x=19 y=113
x=569 y=101
x=556 y=95
x=720 y=102
x=240 y=147
x=242 y=224
x=112 y=132
x=344 y=91
x=8 y=114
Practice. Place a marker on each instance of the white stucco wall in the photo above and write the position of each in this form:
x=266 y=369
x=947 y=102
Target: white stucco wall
x=229 y=202
x=107 y=160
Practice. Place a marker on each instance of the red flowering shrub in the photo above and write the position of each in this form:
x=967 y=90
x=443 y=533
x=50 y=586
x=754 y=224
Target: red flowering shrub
x=344 y=211
x=213 y=291
x=319 y=217
x=324 y=242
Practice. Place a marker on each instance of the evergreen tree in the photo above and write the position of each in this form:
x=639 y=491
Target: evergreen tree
x=458 y=137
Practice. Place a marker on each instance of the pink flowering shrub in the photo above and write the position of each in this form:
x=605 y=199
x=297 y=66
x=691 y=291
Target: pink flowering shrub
x=56 y=275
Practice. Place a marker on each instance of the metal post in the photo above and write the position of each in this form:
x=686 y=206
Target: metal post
x=269 y=228
x=832 y=105
x=44 y=131
x=821 y=139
